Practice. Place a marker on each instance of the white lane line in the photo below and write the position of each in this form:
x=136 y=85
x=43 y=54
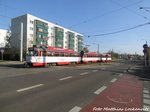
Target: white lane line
x=145 y=91
x=103 y=68
x=100 y=90
x=146 y=101
x=65 y=78
x=84 y=73
x=146 y=96
x=75 y=109
x=125 y=71
x=113 y=80
x=146 y=108
x=121 y=75
x=31 y=87
x=94 y=70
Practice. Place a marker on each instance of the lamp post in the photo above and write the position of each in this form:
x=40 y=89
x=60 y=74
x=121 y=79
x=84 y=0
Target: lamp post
x=144 y=7
x=21 y=43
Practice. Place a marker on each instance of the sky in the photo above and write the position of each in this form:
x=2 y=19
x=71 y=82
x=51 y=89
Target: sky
x=118 y=25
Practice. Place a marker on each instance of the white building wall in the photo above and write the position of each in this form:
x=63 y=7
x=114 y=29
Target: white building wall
x=16 y=31
x=2 y=37
x=76 y=43
x=29 y=31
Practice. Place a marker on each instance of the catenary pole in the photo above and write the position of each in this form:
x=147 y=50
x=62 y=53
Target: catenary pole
x=21 y=43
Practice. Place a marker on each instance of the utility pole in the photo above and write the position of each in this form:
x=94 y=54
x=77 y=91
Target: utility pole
x=21 y=43
x=98 y=49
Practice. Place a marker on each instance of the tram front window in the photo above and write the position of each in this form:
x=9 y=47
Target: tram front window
x=33 y=53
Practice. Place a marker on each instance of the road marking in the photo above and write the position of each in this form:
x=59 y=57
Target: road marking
x=103 y=68
x=147 y=108
x=146 y=96
x=75 y=109
x=100 y=90
x=146 y=101
x=94 y=70
x=113 y=80
x=125 y=71
x=65 y=78
x=120 y=100
x=121 y=75
x=31 y=87
x=84 y=73
x=145 y=91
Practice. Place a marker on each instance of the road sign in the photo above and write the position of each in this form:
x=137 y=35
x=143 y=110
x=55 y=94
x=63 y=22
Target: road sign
x=144 y=51
x=81 y=53
x=2 y=50
x=145 y=46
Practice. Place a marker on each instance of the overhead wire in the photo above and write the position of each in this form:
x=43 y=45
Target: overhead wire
x=8 y=17
x=128 y=9
x=126 y=29
x=119 y=31
x=104 y=14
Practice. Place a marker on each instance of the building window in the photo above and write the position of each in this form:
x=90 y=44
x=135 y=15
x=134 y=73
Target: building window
x=31 y=28
x=31 y=22
x=31 y=35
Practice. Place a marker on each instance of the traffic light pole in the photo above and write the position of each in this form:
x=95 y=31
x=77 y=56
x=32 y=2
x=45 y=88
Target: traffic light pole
x=145 y=62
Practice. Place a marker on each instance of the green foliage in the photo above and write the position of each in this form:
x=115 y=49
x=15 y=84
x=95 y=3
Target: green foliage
x=7 y=38
x=86 y=50
x=114 y=55
x=12 y=54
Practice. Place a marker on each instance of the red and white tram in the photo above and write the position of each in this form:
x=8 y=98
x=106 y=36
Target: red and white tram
x=106 y=57
x=58 y=56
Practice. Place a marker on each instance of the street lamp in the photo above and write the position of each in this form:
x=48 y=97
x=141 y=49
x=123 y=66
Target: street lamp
x=144 y=8
x=97 y=47
x=144 y=40
x=21 y=43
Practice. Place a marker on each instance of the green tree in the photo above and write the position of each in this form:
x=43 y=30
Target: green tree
x=7 y=38
x=114 y=54
x=86 y=50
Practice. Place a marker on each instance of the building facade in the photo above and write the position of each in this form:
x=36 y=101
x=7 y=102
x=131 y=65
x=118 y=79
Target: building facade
x=40 y=32
x=3 y=34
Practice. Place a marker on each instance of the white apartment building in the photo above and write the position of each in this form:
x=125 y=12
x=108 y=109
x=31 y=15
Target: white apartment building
x=2 y=38
x=40 y=32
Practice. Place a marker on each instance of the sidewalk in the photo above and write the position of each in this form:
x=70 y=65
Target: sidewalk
x=10 y=62
x=130 y=93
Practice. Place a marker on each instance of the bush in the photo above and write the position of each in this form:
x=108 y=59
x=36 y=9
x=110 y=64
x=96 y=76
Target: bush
x=12 y=54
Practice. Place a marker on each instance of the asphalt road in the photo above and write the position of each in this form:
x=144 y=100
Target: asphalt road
x=54 y=89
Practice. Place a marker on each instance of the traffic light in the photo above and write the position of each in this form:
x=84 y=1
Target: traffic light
x=145 y=46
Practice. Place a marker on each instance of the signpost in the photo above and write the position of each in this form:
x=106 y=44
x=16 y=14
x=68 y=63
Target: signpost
x=145 y=50
x=2 y=51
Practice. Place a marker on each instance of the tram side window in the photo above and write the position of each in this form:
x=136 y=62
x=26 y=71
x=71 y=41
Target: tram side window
x=66 y=54
x=49 y=53
x=62 y=54
x=56 y=53
x=76 y=55
x=72 y=54
x=43 y=53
